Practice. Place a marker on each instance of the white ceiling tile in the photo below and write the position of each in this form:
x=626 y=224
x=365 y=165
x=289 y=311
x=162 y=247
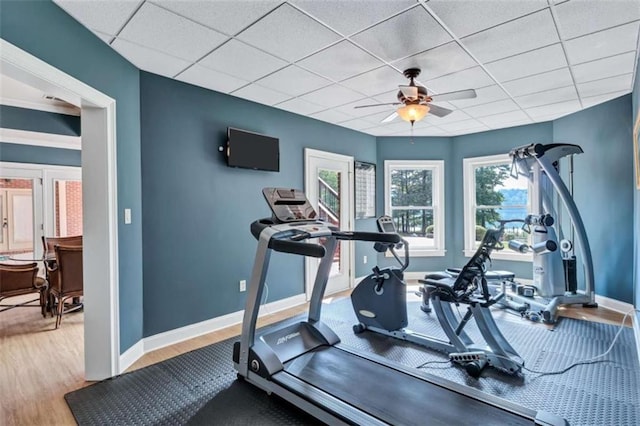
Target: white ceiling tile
x=397 y=125
x=527 y=33
x=406 y=34
x=378 y=116
x=210 y=79
x=530 y=63
x=580 y=17
x=595 y=100
x=558 y=109
x=331 y=116
x=484 y=95
x=221 y=15
x=104 y=37
x=150 y=60
x=462 y=125
x=427 y=131
x=159 y=29
x=547 y=97
x=288 y=34
x=602 y=44
x=479 y=129
x=606 y=85
x=447 y=119
x=106 y=16
x=357 y=124
x=602 y=68
x=377 y=81
x=465 y=17
x=381 y=131
x=471 y=78
x=332 y=96
x=498 y=120
x=438 y=61
x=348 y=17
x=262 y=95
x=239 y=59
x=491 y=108
x=360 y=112
x=340 y=61
x=539 y=82
x=293 y=81
x=300 y=106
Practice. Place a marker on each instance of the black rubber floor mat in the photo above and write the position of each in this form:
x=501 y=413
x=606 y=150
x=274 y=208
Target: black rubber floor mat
x=200 y=387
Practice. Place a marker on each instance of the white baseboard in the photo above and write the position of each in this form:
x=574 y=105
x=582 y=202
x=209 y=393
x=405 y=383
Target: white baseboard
x=613 y=304
x=131 y=355
x=190 y=331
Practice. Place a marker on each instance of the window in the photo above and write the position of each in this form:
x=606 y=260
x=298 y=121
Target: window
x=414 y=198
x=492 y=194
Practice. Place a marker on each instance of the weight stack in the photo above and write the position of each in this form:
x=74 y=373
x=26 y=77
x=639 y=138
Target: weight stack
x=570 y=274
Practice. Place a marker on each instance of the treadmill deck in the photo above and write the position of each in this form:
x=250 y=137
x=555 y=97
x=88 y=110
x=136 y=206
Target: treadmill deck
x=391 y=395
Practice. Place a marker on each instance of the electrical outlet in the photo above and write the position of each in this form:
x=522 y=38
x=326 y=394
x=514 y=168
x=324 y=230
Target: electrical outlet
x=243 y=285
x=364 y=260
x=127 y=216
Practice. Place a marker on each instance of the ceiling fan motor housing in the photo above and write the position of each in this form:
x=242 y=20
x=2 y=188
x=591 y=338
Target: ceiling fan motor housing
x=422 y=95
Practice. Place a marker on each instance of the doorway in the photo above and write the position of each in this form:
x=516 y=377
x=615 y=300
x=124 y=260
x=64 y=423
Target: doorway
x=329 y=188
x=100 y=218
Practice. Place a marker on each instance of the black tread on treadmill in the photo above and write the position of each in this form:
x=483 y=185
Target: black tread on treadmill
x=392 y=396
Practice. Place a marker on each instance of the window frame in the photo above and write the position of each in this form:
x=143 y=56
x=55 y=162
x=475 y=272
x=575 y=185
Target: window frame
x=438 y=208
x=469 y=182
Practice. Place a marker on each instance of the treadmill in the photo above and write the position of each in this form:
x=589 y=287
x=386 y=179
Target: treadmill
x=305 y=364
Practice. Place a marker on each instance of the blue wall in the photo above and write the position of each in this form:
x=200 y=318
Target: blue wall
x=602 y=191
x=197 y=211
x=47 y=32
x=42 y=122
x=39 y=121
x=18 y=153
x=635 y=113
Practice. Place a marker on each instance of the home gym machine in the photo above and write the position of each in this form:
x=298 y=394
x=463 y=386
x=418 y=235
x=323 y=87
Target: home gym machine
x=380 y=303
x=554 y=264
x=304 y=363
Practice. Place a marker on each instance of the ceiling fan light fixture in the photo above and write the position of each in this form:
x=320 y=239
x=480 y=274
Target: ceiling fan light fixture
x=413 y=112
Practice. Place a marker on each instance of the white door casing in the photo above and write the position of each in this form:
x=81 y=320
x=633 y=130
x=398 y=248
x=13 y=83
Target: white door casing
x=342 y=274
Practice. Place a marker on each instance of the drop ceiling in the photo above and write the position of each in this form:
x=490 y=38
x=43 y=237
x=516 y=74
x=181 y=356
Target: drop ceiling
x=529 y=60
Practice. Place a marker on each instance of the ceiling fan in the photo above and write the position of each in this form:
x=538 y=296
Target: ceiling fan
x=416 y=102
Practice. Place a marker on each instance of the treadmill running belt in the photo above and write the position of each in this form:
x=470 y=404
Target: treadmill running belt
x=392 y=396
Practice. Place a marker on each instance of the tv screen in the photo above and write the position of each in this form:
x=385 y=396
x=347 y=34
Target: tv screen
x=252 y=150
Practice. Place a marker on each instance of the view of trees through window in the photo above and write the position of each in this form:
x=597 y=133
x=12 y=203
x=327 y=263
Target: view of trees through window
x=500 y=196
x=412 y=202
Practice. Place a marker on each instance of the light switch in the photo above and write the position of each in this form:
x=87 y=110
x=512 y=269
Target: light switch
x=127 y=216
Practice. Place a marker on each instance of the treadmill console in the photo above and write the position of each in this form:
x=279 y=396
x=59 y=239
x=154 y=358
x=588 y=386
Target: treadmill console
x=289 y=205
x=385 y=224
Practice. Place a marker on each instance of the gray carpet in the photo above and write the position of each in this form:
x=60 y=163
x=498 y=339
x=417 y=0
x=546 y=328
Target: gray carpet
x=200 y=387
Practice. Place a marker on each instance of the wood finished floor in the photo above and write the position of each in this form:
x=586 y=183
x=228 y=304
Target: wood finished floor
x=39 y=365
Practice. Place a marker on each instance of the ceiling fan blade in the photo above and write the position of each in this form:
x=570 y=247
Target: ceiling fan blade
x=391 y=117
x=409 y=92
x=374 y=105
x=454 y=96
x=439 y=111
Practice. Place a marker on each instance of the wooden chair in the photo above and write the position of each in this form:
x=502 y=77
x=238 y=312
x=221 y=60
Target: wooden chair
x=49 y=244
x=49 y=254
x=16 y=280
x=65 y=279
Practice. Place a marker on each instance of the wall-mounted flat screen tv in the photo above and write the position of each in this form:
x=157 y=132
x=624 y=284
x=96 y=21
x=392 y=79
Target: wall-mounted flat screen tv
x=252 y=150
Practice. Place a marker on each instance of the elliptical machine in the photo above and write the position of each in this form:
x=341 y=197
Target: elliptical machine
x=380 y=304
